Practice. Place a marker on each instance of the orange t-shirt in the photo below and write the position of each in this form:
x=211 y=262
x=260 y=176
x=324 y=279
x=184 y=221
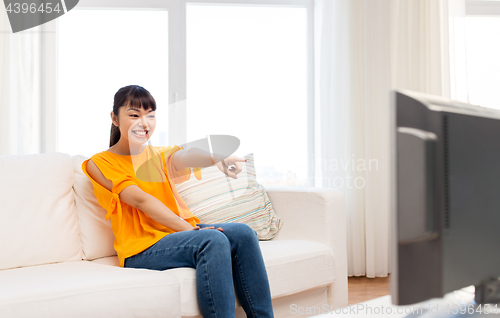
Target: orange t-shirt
x=152 y=171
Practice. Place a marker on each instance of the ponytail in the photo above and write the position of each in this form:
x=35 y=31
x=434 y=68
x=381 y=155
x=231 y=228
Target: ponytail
x=115 y=135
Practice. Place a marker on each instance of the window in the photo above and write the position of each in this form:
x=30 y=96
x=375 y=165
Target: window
x=234 y=67
x=249 y=80
x=119 y=48
x=483 y=65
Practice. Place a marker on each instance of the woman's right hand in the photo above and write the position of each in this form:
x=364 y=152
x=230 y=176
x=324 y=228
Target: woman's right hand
x=206 y=228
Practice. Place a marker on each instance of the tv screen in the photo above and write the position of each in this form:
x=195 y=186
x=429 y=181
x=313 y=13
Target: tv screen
x=445 y=188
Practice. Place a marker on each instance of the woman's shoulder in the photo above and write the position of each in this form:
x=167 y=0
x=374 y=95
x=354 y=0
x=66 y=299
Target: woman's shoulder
x=110 y=165
x=105 y=157
x=111 y=150
x=98 y=155
x=112 y=154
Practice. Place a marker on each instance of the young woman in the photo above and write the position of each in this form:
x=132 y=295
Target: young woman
x=154 y=228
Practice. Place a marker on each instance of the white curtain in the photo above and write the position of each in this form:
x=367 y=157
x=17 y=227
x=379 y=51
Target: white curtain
x=20 y=89
x=456 y=75
x=365 y=48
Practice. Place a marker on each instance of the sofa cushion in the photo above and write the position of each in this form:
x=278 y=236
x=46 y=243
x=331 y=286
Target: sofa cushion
x=217 y=198
x=38 y=221
x=292 y=266
x=95 y=231
x=297 y=265
x=86 y=289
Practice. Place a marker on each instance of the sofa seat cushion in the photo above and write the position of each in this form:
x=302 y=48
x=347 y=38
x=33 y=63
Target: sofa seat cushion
x=297 y=265
x=86 y=289
x=292 y=266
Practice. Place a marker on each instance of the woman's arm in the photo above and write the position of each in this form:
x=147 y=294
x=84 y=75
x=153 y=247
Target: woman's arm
x=195 y=157
x=136 y=197
x=159 y=212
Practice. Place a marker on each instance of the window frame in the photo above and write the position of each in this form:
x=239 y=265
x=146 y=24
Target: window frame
x=48 y=87
x=177 y=61
x=482 y=8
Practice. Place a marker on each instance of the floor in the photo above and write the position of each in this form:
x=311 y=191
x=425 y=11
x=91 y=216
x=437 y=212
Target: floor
x=362 y=288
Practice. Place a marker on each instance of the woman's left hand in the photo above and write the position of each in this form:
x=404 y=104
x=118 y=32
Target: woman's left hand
x=231 y=166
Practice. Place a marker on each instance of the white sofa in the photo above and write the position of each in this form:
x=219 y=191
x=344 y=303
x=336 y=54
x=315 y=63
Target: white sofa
x=57 y=257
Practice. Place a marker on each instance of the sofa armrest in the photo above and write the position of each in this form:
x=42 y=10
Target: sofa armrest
x=315 y=214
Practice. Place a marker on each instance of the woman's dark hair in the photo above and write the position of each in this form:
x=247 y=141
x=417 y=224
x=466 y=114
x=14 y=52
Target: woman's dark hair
x=137 y=97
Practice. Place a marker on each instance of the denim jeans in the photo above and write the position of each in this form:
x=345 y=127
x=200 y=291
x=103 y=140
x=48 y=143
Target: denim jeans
x=226 y=262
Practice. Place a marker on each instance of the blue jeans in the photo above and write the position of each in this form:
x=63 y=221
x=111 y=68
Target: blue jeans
x=225 y=262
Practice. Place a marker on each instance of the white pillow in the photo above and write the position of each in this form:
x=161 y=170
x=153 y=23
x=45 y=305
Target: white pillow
x=96 y=232
x=38 y=221
x=217 y=198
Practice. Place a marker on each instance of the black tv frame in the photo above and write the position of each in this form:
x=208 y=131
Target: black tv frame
x=445 y=190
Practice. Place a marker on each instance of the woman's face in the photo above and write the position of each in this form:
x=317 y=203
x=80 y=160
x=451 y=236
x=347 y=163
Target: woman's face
x=137 y=125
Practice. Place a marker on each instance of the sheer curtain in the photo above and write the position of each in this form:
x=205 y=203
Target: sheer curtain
x=20 y=89
x=456 y=74
x=363 y=49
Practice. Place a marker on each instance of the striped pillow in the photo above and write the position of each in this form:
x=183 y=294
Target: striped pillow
x=217 y=198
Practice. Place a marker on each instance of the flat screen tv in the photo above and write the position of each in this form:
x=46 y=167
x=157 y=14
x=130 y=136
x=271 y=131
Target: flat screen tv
x=445 y=190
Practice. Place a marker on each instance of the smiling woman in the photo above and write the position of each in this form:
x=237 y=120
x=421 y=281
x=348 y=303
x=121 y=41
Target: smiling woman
x=145 y=209
x=133 y=118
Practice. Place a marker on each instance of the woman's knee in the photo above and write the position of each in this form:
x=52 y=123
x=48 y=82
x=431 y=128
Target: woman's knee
x=241 y=231
x=245 y=229
x=214 y=237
